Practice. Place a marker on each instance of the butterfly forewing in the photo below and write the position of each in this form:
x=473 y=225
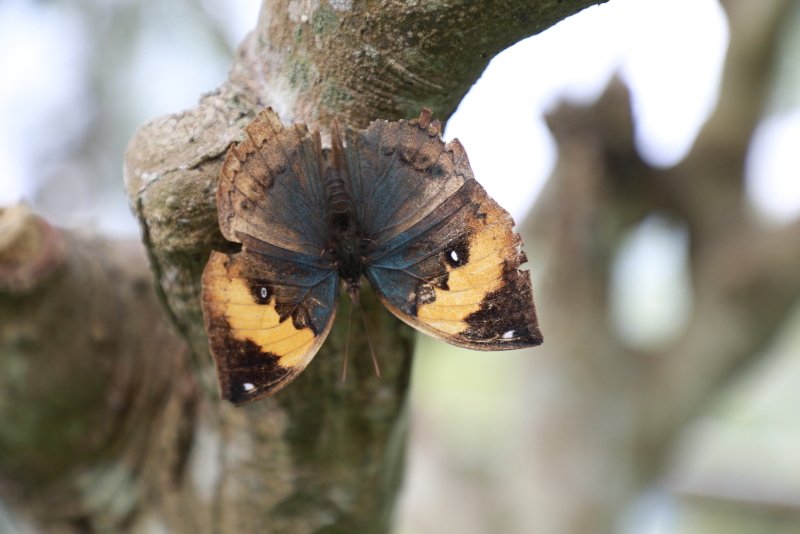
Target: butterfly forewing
x=400 y=172
x=441 y=254
x=266 y=319
x=271 y=187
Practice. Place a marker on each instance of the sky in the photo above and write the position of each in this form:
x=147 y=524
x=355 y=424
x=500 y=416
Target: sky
x=631 y=37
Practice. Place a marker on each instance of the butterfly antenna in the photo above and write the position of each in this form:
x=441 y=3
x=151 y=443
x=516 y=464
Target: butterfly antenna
x=347 y=341
x=369 y=342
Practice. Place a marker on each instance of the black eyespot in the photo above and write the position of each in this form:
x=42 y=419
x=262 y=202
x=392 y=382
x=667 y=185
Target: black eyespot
x=261 y=292
x=457 y=253
x=437 y=171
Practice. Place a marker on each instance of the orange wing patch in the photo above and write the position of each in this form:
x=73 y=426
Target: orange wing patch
x=470 y=278
x=473 y=294
x=261 y=324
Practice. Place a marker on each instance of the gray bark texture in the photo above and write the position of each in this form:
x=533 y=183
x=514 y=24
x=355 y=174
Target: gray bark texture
x=110 y=417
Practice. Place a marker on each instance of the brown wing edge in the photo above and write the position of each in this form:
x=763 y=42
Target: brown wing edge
x=265 y=125
x=486 y=335
x=506 y=318
x=507 y=309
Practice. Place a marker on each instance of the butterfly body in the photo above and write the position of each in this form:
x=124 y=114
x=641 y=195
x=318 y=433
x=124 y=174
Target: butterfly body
x=346 y=243
x=392 y=204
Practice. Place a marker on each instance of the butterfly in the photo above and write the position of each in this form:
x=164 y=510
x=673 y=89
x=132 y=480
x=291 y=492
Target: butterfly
x=393 y=204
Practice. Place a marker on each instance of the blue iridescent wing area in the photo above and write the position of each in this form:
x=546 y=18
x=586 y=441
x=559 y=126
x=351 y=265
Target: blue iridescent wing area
x=269 y=307
x=271 y=187
x=440 y=253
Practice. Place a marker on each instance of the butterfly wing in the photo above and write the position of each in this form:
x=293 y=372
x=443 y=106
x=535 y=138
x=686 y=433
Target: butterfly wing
x=442 y=254
x=264 y=329
x=271 y=187
x=269 y=307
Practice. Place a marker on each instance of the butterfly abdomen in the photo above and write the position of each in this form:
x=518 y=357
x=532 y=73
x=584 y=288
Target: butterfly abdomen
x=345 y=244
x=340 y=204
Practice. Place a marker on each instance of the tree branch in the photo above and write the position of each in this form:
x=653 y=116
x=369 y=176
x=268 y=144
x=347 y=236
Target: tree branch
x=81 y=386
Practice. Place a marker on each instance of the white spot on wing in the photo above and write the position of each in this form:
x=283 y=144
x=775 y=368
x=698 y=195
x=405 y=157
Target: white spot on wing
x=508 y=335
x=454 y=255
x=248 y=386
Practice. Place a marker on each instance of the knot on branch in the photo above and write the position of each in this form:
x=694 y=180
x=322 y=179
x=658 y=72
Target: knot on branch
x=30 y=249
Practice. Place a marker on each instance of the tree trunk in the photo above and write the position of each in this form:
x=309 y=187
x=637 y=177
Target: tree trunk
x=123 y=429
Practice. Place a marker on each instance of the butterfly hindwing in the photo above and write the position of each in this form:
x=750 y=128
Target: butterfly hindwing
x=447 y=263
x=265 y=319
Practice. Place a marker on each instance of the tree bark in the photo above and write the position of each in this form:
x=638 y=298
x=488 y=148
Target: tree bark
x=139 y=440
